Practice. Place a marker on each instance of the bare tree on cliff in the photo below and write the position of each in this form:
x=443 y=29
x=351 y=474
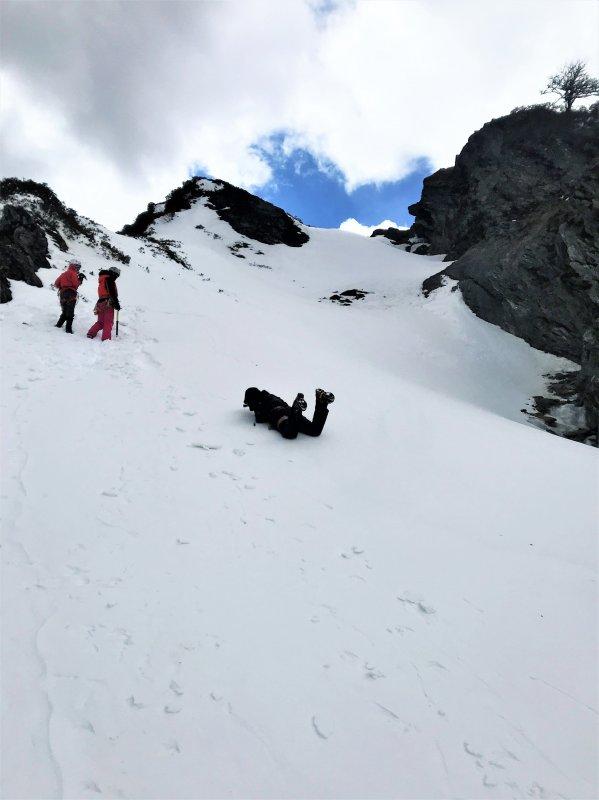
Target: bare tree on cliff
x=572 y=83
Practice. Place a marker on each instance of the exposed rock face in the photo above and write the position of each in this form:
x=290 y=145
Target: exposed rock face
x=24 y=246
x=247 y=214
x=411 y=242
x=520 y=214
x=589 y=378
x=23 y=249
x=393 y=234
x=5 y=293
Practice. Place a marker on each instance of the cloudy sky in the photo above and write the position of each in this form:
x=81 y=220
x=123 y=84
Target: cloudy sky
x=331 y=109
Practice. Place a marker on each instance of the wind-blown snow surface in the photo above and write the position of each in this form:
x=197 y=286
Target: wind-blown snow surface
x=196 y=608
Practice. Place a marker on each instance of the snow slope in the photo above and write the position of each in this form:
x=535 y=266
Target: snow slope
x=196 y=608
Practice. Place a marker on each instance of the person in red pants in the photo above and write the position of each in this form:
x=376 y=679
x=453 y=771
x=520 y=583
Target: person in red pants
x=108 y=303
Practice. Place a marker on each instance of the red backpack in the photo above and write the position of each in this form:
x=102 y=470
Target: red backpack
x=103 y=292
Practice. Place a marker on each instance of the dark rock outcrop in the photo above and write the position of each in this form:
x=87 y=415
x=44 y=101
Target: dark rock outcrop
x=5 y=292
x=60 y=223
x=347 y=297
x=247 y=214
x=23 y=249
x=393 y=234
x=519 y=213
x=407 y=238
x=49 y=209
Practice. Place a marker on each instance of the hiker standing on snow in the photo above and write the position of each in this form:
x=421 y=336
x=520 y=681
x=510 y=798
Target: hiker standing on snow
x=108 y=303
x=288 y=420
x=68 y=284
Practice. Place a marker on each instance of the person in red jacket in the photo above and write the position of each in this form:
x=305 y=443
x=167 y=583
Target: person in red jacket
x=108 y=302
x=68 y=285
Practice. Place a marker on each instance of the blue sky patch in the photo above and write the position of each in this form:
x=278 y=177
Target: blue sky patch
x=314 y=190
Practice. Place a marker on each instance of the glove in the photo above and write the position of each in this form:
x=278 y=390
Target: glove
x=116 y=305
x=82 y=278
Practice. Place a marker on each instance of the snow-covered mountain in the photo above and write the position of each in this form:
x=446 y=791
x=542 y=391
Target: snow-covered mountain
x=196 y=608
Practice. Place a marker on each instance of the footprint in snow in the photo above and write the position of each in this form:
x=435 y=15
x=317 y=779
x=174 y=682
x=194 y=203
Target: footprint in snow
x=317 y=730
x=204 y=446
x=239 y=452
x=231 y=475
x=87 y=726
x=372 y=673
x=418 y=604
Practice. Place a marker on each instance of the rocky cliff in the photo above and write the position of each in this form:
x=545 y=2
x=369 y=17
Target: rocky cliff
x=30 y=215
x=518 y=215
x=247 y=214
x=23 y=249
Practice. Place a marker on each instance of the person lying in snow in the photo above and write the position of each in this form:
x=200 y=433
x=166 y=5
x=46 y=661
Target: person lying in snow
x=108 y=302
x=67 y=284
x=288 y=420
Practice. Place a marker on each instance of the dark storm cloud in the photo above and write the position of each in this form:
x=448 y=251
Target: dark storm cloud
x=118 y=71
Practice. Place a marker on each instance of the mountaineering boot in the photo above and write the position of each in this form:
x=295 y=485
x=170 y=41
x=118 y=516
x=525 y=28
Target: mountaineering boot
x=61 y=321
x=299 y=404
x=69 y=328
x=324 y=397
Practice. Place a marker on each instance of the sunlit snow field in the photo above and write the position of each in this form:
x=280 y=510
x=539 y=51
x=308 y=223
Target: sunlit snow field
x=194 y=607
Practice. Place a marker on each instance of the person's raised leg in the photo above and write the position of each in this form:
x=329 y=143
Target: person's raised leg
x=321 y=412
x=97 y=326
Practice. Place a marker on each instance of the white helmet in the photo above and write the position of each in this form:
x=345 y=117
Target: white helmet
x=116 y=270
x=74 y=262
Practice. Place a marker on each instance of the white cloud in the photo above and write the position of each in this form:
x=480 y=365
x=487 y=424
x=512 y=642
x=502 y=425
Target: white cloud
x=352 y=225
x=126 y=97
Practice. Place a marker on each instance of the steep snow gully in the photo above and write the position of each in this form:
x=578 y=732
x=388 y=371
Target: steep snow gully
x=195 y=608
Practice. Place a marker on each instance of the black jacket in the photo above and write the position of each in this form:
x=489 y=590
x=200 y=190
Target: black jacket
x=268 y=407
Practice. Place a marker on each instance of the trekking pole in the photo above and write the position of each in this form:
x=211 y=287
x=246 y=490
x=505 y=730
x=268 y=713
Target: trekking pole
x=117 y=322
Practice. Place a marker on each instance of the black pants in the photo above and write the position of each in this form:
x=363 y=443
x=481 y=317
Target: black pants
x=68 y=298
x=294 y=424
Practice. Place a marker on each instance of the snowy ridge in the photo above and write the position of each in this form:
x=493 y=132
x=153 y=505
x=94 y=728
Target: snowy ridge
x=194 y=607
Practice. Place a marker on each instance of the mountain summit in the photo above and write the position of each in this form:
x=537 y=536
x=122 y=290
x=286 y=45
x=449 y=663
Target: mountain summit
x=247 y=214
